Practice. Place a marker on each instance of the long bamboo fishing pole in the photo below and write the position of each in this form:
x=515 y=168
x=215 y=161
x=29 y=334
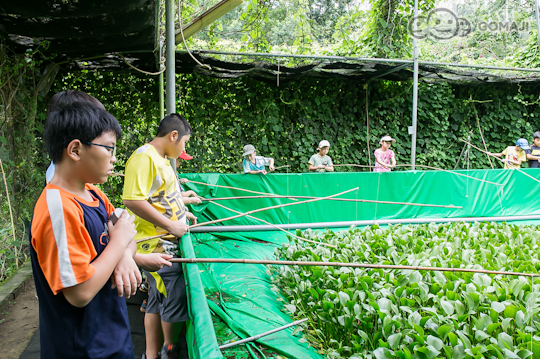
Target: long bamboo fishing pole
x=273 y=225
x=336 y=199
x=271 y=207
x=248 y=213
x=229 y=187
x=490 y=154
x=430 y=167
x=341 y=264
x=284 y=166
x=153 y=237
x=456 y=173
x=352 y=165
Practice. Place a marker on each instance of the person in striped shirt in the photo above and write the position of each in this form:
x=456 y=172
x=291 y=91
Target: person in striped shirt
x=75 y=248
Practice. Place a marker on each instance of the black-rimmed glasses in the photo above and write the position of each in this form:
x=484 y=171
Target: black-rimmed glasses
x=113 y=148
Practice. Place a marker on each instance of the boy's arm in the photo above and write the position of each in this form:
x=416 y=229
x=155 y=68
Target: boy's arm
x=518 y=162
x=121 y=235
x=271 y=166
x=330 y=168
x=152 y=262
x=499 y=154
x=145 y=210
x=126 y=273
x=394 y=160
x=190 y=197
x=312 y=166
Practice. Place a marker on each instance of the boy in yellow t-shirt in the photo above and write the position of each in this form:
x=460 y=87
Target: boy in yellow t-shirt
x=514 y=155
x=152 y=193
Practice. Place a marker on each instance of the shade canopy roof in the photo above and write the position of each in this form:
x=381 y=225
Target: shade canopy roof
x=103 y=35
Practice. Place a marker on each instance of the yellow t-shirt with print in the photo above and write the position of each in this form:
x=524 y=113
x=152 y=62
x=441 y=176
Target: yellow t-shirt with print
x=510 y=153
x=150 y=177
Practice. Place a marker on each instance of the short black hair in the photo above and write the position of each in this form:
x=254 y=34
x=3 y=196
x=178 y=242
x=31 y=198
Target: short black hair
x=67 y=97
x=78 y=120
x=174 y=122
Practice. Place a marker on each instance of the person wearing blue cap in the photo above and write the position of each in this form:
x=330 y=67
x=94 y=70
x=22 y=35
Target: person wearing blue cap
x=514 y=155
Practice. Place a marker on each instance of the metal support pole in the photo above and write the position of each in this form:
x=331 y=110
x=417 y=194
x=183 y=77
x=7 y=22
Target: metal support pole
x=170 y=57
x=412 y=129
x=345 y=224
x=161 y=97
x=537 y=31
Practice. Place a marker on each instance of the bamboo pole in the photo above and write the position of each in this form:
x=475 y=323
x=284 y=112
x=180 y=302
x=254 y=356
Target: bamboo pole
x=335 y=199
x=229 y=187
x=430 y=167
x=117 y=174
x=490 y=154
x=458 y=174
x=276 y=168
x=353 y=165
x=273 y=225
x=257 y=337
x=271 y=207
x=341 y=264
x=481 y=133
x=10 y=214
x=152 y=237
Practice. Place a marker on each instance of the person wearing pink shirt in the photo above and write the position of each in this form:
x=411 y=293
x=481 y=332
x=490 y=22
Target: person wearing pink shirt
x=385 y=159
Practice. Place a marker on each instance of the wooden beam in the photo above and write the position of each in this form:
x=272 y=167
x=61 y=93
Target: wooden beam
x=205 y=19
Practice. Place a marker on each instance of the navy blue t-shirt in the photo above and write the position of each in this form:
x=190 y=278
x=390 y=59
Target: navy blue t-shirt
x=100 y=330
x=535 y=151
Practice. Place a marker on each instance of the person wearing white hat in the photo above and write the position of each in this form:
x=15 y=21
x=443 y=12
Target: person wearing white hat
x=385 y=158
x=253 y=164
x=321 y=162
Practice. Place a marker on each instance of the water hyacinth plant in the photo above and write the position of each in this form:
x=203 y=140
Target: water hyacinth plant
x=390 y=313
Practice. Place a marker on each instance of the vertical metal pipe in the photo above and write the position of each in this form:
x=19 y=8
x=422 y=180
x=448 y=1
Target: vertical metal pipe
x=415 y=88
x=169 y=57
x=537 y=22
x=161 y=97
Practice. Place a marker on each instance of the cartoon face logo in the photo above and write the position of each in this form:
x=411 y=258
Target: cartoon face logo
x=443 y=24
x=439 y=24
x=464 y=27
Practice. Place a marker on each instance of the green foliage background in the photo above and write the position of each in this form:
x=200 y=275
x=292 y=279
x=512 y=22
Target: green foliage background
x=288 y=121
x=285 y=122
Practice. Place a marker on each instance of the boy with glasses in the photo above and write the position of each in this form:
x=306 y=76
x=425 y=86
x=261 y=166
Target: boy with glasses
x=75 y=248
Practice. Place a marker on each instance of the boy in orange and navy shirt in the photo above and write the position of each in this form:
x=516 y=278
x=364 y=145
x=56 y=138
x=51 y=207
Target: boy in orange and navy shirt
x=75 y=248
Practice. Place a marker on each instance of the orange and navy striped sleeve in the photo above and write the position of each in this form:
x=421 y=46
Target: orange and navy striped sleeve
x=63 y=245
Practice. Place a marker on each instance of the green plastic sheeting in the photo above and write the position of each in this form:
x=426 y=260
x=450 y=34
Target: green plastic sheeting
x=241 y=295
x=200 y=334
x=478 y=199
